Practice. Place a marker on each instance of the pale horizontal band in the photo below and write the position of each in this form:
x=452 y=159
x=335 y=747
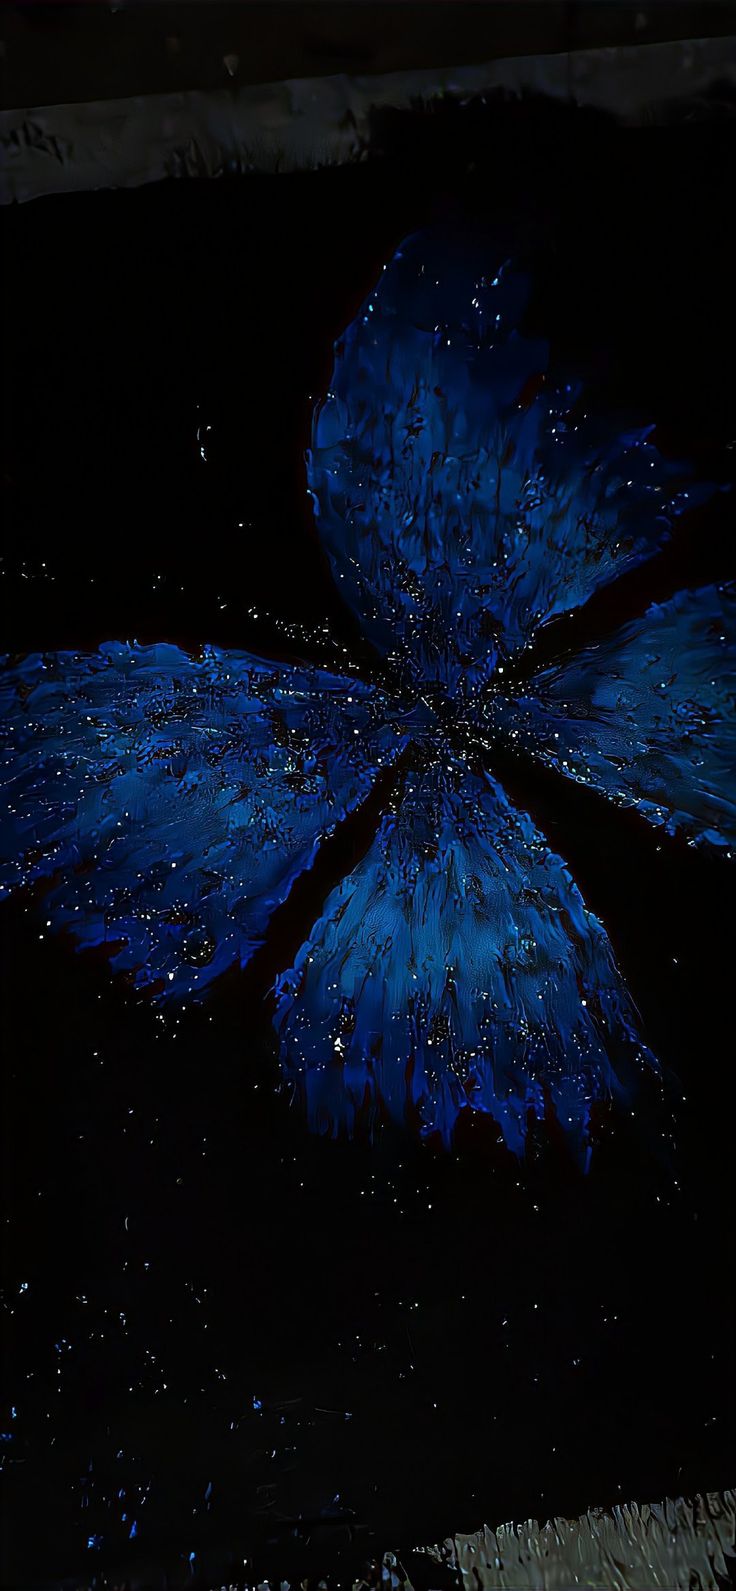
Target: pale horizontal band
x=304 y=123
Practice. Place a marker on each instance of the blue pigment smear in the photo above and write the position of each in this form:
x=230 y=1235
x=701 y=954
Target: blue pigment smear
x=463 y=493
x=457 y=969
x=647 y=717
x=169 y=802
x=172 y=801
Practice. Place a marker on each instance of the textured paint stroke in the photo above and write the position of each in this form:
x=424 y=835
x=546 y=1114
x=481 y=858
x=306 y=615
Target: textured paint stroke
x=647 y=717
x=463 y=491
x=674 y=1545
x=457 y=968
x=171 y=801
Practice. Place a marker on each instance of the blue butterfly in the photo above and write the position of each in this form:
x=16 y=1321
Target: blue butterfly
x=170 y=801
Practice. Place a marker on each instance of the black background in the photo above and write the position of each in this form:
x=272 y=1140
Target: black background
x=508 y=1341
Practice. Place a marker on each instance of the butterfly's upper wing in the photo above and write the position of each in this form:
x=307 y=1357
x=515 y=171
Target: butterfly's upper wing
x=462 y=492
x=457 y=969
x=170 y=801
x=647 y=717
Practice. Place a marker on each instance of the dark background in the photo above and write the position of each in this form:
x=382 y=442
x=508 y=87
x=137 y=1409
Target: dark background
x=57 y=53
x=172 y=1219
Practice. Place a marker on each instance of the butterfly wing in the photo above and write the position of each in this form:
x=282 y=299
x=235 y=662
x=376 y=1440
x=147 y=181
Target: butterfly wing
x=461 y=490
x=457 y=969
x=168 y=802
x=647 y=717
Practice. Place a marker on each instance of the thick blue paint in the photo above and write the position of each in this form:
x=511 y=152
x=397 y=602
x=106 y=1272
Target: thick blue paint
x=647 y=717
x=456 y=969
x=463 y=492
x=168 y=802
x=171 y=801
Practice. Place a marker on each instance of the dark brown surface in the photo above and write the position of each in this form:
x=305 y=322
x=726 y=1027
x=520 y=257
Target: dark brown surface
x=54 y=54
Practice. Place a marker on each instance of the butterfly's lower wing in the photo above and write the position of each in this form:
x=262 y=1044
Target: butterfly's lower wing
x=457 y=968
x=647 y=717
x=168 y=802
